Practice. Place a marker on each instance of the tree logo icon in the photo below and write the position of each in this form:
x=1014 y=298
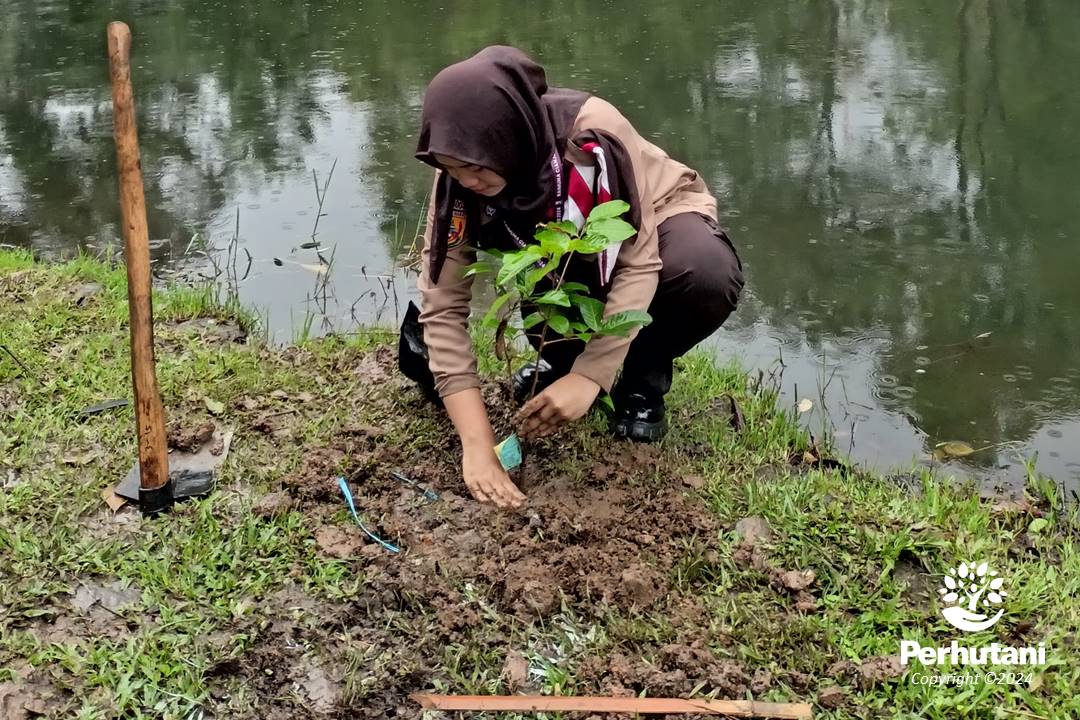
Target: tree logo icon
x=970 y=590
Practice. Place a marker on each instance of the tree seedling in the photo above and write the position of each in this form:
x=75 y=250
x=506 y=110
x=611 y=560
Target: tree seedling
x=534 y=278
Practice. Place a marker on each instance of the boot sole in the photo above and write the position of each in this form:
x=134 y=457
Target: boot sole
x=640 y=431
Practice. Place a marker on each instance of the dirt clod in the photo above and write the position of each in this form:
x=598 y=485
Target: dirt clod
x=753 y=531
x=337 y=542
x=534 y=588
x=762 y=681
x=190 y=438
x=730 y=679
x=23 y=699
x=798 y=680
x=321 y=691
x=842 y=670
x=794 y=580
x=515 y=670
x=316 y=478
x=111 y=597
x=273 y=505
x=695 y=482
x=640 y=586
x=832 y=697
x=877 y=670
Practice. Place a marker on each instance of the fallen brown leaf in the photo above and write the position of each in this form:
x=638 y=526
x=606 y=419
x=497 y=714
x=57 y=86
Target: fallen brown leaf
x=114 y=501
x=82 y=458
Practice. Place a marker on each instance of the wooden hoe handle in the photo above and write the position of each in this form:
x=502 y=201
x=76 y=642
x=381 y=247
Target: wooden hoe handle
x=155 y=492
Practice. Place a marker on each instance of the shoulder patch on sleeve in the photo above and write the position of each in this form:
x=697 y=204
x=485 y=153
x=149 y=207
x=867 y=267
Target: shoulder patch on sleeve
x=456 y=235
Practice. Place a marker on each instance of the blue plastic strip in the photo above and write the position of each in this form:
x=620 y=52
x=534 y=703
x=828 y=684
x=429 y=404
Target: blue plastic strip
x=352 y=508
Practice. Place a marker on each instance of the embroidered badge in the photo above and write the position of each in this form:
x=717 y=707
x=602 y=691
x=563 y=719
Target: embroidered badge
x=456 y=236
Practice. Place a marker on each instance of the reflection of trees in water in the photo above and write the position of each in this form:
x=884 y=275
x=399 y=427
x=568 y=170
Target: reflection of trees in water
x=900 y=166
x=218 y=99
x=1015 y=135
x=886 y=186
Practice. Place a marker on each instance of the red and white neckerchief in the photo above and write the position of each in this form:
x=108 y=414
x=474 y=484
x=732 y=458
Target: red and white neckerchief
x=587 y=188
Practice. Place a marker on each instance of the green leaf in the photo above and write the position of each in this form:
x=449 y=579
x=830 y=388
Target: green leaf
x=492 y=315
x=639 y=317
x=607 y=402
x=559 y=323
x=554 y=297
x=578 y=326
x=528 y=283
x=478 y=268
x=566 y=226
x=622 y=323
x=589 y=244
x=553 y=242
x=575 y=287
x=620 y=330
x=613 y=229
x=532 y=321
x=592 y=311
x=1038 y=525
x=514 y=263
x=216 y=407
x=610 y=209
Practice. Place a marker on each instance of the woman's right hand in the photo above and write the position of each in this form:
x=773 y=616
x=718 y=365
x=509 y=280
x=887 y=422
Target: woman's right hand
x=480 y=466
x=487 y=480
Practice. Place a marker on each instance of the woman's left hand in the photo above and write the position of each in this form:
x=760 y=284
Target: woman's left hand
x=564 y=401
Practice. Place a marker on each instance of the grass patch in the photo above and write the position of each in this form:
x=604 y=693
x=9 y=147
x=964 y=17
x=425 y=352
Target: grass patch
x=211 y=582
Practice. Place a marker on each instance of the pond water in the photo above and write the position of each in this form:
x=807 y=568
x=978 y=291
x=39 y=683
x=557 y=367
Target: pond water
x=900 y=176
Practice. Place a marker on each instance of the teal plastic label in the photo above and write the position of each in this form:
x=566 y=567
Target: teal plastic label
x=509 y=452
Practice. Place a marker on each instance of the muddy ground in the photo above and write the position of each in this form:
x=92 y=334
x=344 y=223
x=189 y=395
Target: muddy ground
x=628 y=544
x=608 y=575
x=633 y=569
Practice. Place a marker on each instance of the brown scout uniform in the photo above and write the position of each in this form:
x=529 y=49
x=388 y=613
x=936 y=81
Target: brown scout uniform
x=666 y=188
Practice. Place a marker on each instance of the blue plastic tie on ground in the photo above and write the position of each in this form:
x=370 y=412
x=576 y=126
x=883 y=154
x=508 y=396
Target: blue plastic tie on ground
x=352 y=508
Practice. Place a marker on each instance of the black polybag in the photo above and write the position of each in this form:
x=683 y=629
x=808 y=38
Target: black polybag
x=413 y=354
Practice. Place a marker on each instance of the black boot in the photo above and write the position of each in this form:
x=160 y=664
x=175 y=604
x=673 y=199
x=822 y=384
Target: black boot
x=523 y=380
x=639 y=417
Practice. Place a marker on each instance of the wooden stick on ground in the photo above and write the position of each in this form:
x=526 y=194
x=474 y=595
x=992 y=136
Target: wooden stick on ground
x=154 y=491
x=641 y=706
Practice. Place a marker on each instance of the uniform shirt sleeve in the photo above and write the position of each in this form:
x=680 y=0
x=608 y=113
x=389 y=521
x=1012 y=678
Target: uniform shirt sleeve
x=444 y=313
x=637 y=268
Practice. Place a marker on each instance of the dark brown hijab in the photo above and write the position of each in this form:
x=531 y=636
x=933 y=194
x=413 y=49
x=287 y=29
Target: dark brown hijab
x=495 y=110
